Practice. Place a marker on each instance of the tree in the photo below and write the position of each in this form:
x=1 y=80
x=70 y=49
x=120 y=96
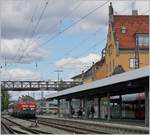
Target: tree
x=4 y=100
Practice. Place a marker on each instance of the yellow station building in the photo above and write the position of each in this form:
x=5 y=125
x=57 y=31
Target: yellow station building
x=127 y=46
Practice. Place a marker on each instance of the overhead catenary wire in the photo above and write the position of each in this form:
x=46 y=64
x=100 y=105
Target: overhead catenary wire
x=81 y=42
x=38 y=22
x=104 y=39
x=67 y=15
x=83 y=18
x=28 y=27
x=83 y=53
x=95 y=45
x=74 y=23
x=77 y=45
x=51 y=27
x=34 y=31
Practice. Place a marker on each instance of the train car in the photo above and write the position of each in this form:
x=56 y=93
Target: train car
x=25 y=107
x=133 y=107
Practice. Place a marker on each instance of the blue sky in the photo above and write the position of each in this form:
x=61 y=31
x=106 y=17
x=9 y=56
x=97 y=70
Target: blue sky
x=72 y=51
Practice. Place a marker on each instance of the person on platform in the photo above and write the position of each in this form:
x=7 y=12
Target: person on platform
x=92 y=111
x=72 y=110
x=80 y=113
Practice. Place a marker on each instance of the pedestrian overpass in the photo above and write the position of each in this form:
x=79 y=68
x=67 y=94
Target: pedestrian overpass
x=37 y=85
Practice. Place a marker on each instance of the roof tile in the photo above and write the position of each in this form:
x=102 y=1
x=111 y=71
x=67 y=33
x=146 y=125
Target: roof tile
x=134 y=24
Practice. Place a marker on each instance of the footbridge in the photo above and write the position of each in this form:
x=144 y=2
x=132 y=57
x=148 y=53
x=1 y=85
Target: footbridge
x=37 y=85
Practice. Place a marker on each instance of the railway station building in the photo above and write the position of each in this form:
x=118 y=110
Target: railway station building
x=127 y=47
x=117 y=86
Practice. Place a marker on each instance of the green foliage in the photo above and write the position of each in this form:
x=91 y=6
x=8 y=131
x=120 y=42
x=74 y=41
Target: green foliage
x=4 y=100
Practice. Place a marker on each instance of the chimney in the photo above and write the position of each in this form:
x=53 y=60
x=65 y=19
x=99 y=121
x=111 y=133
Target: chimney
x=134 y=12
x=111 y=13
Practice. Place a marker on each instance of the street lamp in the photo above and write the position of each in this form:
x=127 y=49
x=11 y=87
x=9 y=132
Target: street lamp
x=58 y=71
x=0 y=76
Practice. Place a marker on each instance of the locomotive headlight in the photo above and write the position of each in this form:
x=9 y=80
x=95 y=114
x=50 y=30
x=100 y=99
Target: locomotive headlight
x=24 y=105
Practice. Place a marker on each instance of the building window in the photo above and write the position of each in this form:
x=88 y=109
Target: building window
x=132 y=63
x=113 y=64
x=123 y=29
x=110 y=50
x=142 y=39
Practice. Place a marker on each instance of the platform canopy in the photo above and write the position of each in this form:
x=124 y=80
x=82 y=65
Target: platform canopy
x=134 y=81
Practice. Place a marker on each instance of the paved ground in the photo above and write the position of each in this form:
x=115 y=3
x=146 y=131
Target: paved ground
x=40 y=126
x=114 y=121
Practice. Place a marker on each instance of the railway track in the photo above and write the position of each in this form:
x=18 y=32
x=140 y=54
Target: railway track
x=80 y=127
x=89 y=127
x=61 y=126
x=69 y=127
x=8 y=125
x=6 y=129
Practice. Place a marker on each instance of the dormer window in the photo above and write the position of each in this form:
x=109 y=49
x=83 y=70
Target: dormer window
x=123 y=29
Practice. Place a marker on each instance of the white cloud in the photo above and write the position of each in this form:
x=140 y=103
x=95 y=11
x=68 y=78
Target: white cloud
x=17 y=14
x=19 y=74
x=78 y=63
x=19 y=51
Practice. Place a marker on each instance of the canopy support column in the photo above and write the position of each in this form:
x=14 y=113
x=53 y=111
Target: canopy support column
x=58 y=103
x=85 y=107
x=70 y=108
x=146 y=107
x=99 y=107
x=120 y=106
x=108 y=106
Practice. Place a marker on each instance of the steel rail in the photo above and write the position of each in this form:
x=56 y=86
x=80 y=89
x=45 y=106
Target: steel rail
x=69 y=127
x=31 y=130
x=99 y=127
x=7 y=128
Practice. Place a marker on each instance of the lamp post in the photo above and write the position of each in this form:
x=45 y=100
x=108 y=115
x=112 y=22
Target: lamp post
x=58 y=71
x=0 y=76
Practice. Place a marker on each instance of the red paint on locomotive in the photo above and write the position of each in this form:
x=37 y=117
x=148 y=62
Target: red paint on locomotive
x=25 y=107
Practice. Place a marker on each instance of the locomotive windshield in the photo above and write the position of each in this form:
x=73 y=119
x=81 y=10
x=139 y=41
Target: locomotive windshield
x=26 y=98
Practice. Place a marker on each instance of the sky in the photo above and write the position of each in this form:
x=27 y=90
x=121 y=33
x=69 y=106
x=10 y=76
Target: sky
x=41 y=36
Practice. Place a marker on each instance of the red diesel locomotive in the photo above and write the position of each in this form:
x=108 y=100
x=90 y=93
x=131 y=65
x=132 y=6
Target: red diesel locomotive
x=25 y=107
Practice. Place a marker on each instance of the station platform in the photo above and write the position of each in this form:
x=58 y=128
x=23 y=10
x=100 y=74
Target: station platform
x=128 y=122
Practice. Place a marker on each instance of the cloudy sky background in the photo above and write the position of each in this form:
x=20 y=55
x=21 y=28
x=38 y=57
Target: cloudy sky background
x=27 y=41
